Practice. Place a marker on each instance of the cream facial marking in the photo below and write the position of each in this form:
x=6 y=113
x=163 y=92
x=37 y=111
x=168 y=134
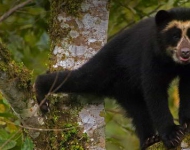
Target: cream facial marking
x=184 y=42
x=183 y=25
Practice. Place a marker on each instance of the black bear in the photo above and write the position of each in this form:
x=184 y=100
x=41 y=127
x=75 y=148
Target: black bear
x=136 y=68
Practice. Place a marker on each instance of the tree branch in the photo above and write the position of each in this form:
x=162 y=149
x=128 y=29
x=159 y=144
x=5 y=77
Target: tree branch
x=15 y=80
x=12 y=10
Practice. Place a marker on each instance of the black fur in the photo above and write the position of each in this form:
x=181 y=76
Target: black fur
x=134 y=69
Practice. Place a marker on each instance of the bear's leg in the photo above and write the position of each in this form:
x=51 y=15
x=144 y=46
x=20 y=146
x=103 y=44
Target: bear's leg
x=137 y=110
x=184 y=110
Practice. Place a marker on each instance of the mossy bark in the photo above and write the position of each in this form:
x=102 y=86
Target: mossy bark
x=15 y=82
x=78 y=29
x=16 y=86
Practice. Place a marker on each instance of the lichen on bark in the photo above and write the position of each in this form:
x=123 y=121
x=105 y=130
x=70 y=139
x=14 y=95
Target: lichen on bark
x=77 y=32
x=71 y=7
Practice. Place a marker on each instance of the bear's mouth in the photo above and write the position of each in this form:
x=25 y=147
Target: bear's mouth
x=184 y=59
x=184 y=55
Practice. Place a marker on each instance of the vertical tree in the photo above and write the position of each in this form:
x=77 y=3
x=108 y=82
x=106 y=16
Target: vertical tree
x=78 y=29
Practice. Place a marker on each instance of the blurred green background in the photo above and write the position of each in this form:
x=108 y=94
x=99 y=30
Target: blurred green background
x=26 y=35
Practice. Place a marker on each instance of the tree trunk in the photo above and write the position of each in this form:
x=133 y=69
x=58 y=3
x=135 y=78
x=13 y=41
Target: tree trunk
x=78 y=29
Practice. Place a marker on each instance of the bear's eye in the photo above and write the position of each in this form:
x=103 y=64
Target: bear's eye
x=176 y=37
x=188 y=32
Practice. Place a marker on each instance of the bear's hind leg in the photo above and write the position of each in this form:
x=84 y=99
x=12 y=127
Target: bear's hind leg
x=137 y=110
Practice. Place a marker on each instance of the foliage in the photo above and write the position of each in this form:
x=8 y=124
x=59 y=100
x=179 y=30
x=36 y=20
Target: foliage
x=26 y=34
x=11 y=137
x=10 y=134
x=27 y=145
x=125 y=13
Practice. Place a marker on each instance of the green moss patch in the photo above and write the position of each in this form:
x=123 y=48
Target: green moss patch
x=15 y=71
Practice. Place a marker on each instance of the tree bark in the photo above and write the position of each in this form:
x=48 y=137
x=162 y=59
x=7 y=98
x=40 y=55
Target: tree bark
x=78 y=29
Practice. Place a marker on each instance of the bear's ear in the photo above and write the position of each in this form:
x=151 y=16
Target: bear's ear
x=162 y=17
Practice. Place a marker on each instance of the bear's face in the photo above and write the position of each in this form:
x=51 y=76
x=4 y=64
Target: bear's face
x=174 y=35
x=177 y=40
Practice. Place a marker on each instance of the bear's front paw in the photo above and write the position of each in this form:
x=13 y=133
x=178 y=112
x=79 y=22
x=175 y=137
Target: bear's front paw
x=44 y=107
x=185 y=121
x=150 y=141
x=43 y=102
x=186 y=125
x=173 y=136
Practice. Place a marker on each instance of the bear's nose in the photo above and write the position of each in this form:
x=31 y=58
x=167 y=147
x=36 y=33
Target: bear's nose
x=185 y=52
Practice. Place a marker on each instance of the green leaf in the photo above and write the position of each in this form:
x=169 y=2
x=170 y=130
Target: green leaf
x=5 y=102
x=3 y=134
x=6 y=115
x=10 y=144
x=28 y=144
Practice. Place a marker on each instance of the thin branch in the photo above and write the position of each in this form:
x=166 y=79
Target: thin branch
x=155 y=10
x=12 y=10
x=40 y=129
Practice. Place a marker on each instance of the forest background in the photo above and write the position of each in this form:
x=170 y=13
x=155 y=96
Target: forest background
x=25 y=34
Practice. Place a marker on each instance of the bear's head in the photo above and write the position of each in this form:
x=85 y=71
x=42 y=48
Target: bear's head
x=174 y=33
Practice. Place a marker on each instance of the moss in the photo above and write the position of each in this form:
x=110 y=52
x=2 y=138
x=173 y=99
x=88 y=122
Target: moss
x=71 y=7
x=187 y=139
x=72 y=136
x=22 y=74
x=15 y=71
x=56 y=31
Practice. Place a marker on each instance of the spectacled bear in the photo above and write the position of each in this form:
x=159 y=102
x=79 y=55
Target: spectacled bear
x=136 y=68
